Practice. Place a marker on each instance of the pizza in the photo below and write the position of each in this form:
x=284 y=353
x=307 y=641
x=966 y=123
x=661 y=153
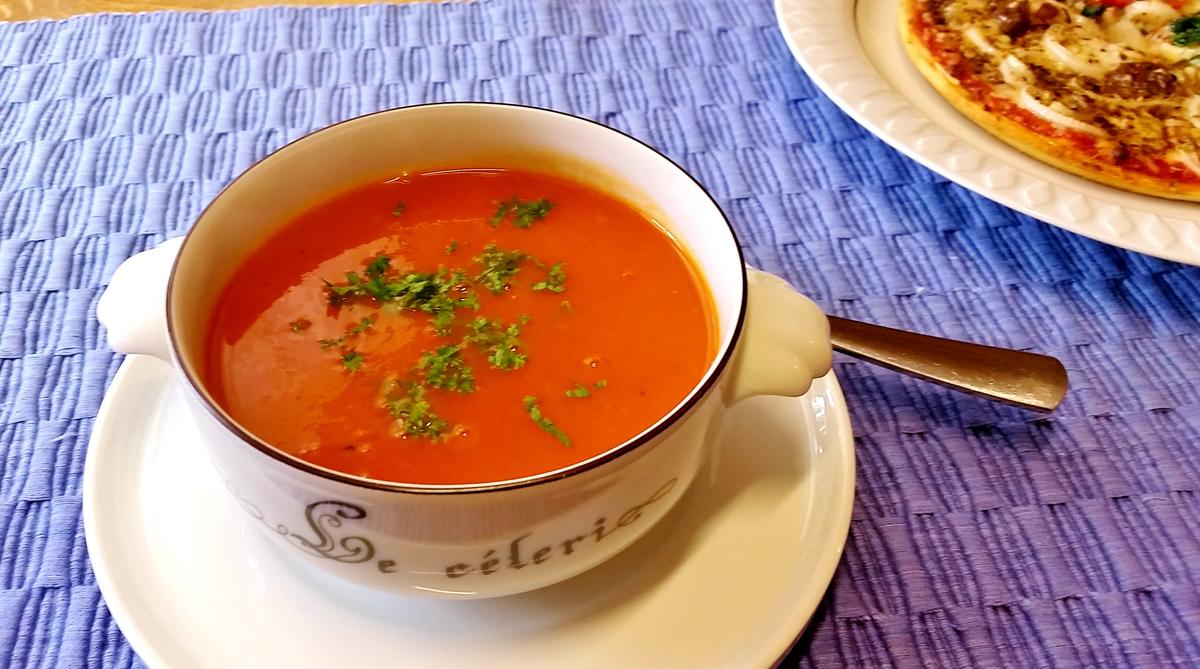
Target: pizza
x=1105 y=89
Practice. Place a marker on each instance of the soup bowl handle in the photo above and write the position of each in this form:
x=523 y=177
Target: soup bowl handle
x=133 y=307
x=785 y=341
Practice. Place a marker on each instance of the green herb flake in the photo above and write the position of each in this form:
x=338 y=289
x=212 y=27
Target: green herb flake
x=501 y=212
x=435 y=293
x=375 y=286
x=352 y=361
x=372 y=286
x=601 y=383
x=578 y=392
x=399 y=209
x=299 y=325
x=501 y=343
x=507 y=358
x=499 y=267
x=535 y=414
x=411 y=290
x=528 y=212
x=1092 y=11
x=338 y=294
x=522 y=212
x=451 y=247
x=440 y=303
x=468 y=300
x=362 y=326
x=445 y=368
x=412 y=411
x=1187 y=30
x=555 y=281
x=378 y=266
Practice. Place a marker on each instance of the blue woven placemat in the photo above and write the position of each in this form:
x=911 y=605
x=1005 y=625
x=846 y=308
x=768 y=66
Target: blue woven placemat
x=982 y=536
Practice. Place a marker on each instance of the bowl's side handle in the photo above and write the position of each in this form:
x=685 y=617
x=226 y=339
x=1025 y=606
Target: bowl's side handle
x=785 y=341
x=133 y=309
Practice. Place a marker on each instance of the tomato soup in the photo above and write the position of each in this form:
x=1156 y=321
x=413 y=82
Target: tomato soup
x=460 y=326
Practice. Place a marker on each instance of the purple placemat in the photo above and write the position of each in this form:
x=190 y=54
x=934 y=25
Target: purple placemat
x=982 y=536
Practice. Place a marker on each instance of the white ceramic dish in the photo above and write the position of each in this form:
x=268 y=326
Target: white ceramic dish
x=852 y=51
x=728 y=579
x=481 y=539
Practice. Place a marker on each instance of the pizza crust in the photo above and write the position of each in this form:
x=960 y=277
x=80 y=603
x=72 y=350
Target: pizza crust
x=1053 y=151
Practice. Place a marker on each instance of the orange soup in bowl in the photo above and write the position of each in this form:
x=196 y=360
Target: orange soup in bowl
x=460 y=326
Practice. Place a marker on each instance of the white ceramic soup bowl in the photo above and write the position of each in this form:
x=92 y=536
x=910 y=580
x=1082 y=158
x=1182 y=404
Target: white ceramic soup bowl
x=473 y=540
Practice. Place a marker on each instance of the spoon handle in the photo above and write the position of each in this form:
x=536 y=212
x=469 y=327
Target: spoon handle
x=1027 y=380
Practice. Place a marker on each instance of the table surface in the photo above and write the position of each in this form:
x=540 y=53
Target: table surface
x=982 y=535
x=14 y=10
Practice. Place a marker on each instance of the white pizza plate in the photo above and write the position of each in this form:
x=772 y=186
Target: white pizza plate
x=729 y=579
x=851 y=49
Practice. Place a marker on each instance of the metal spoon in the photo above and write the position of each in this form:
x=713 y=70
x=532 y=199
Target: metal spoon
x=1028 y=380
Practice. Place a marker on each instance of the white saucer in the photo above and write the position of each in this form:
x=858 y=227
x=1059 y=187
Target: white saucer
x=728 y=579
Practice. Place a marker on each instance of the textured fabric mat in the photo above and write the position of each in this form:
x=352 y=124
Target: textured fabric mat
x=982 y=536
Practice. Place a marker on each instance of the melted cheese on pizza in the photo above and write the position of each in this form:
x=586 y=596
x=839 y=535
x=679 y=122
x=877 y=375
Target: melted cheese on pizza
x=1126 y=73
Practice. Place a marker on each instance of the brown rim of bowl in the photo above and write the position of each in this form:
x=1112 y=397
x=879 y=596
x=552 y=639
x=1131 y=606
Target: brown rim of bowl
x=663 y=424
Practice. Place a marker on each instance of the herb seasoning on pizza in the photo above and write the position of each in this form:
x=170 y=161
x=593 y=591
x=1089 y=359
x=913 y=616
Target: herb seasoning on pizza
x=1106 y=89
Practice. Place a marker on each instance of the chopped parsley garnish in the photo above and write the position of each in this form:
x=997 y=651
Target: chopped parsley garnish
x=535 y=414
x=435 y=293
x=555 y=281
x=1187 y=30
x=1092 y=11
x=378 y=266
x=373 y=286
x=499 y=266
x=360 y=327
x=446 y=369
x=523 y=212
x=601 y=383
x=399 y=209
x=412 y=411
x=440 y=294
x=414 y=290
x=507 y=358
x=502 y=344
x=299 y=325
x=338 y=294
x=352 y=361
